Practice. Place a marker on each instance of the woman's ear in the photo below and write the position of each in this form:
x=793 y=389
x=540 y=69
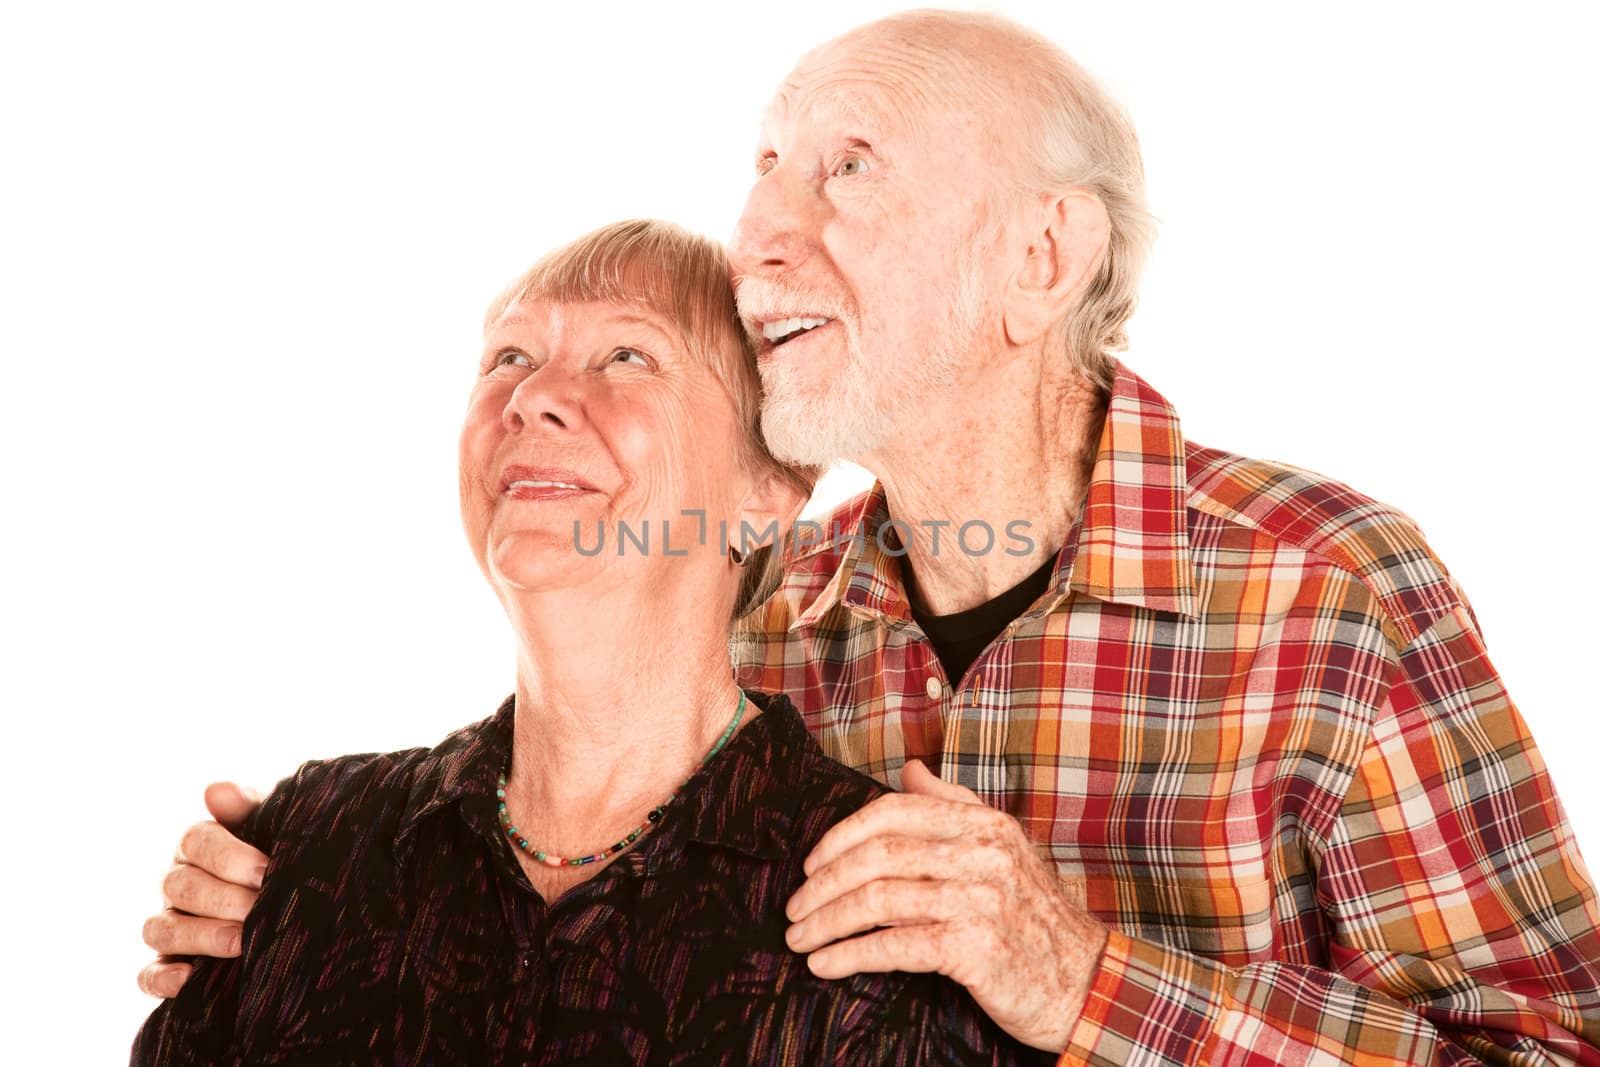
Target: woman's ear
x=769 y=510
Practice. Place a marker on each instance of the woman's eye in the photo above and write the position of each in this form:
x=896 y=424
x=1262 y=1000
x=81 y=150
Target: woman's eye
x=849 y=167
x=764 y=165
x=627 y=355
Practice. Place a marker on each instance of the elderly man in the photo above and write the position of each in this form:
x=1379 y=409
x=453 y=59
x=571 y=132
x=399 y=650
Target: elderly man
x=1286 y=811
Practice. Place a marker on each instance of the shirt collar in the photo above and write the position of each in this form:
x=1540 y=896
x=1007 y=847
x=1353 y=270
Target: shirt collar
x=743 y=799
x=867 y=580
x=1130 y=545
x=465 y=766
x=1133 y=536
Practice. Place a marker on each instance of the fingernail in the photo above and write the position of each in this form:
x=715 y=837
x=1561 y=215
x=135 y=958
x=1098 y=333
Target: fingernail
x=230 y=940
x=172 y=982
x=793 y=936
x=259 y=872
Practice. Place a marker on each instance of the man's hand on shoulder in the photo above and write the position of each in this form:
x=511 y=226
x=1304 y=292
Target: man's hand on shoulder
x=213 y=884
x=945 y=883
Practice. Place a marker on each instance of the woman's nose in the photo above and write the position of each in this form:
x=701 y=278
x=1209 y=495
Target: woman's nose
x=547 y=399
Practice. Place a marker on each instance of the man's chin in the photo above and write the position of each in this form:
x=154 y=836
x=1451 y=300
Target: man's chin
x=818 y=434
x=802 y=452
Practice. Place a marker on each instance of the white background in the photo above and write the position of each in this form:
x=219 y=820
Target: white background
x=246 y=252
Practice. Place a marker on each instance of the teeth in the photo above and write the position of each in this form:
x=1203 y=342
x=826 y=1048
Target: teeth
x=542 y=485
x=784 y=327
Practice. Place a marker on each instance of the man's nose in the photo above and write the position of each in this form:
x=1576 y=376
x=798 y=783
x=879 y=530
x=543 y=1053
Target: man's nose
x=548 y=399
x=779 y=226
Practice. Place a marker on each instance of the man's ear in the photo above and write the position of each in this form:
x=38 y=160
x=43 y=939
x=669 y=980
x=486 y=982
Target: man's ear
x=1068 y=238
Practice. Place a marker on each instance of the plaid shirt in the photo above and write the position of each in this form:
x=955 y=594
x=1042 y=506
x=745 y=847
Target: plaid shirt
x=1252 y=723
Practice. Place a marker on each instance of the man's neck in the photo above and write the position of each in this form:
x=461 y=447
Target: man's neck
x=1011 y=455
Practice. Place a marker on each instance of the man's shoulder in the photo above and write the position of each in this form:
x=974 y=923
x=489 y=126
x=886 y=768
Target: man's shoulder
x=1375 y=543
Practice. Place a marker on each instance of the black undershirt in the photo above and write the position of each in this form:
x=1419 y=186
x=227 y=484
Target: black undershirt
x=959 y=638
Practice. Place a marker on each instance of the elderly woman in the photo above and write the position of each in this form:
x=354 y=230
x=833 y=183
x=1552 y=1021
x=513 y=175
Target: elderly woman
x=597 y=873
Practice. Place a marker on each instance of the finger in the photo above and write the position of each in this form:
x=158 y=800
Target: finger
x=192 y=890
x=230 y=803
x=915 y=949
x=172 y=933
x=893 y=813
x=890 y=902
x=164 y=977
x=918 y=780
x=893 y=856
x=214 y=850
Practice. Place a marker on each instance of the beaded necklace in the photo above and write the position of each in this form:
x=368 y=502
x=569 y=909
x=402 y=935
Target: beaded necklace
x=551 y=860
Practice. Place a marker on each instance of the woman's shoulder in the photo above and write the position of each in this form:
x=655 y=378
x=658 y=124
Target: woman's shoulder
x=801 y=790
x=321 y=790
x=912 y=1019
x=831 y=791
x=826 y=789
x=359 y=792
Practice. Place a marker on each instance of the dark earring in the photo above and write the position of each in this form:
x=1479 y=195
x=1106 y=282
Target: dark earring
x=736 y=556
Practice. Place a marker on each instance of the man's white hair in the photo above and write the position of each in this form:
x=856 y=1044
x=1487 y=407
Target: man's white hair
x=1079 y=137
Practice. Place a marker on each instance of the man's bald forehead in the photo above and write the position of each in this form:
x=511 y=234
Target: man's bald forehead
x=834 y=96
x=932 y=60
x=923 y=45
x=825 y=77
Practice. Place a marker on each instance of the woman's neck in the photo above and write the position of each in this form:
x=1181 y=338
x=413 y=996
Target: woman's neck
x=618 y=703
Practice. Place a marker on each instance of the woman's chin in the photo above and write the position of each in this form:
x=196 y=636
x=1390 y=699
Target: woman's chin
x=532 y=562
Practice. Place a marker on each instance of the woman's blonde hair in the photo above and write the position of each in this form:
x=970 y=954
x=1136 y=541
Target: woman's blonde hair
x=682 y=277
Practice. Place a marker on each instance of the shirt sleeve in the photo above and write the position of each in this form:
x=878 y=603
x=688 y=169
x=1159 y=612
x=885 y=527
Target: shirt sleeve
x=197 y=1026
x=1458 y=919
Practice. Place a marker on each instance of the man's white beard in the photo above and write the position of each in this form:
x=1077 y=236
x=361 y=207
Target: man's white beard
x=817 y=426
x=859 y=410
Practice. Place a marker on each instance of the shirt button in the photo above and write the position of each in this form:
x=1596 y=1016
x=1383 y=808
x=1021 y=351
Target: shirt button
x=934 y=687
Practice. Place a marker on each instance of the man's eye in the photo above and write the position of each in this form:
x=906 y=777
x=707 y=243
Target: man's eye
x=765 y=164
x=510 y=357
x=625 y=355
x=849 y=167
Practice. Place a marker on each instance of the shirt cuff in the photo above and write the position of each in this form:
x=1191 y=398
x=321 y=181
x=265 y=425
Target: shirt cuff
x=1147 y=1003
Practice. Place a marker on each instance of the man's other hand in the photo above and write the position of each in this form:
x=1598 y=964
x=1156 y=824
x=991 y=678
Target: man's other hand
x=932 y=879
x=214 y=881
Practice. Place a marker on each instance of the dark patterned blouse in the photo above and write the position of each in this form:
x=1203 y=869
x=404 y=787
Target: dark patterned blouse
x=395 y=926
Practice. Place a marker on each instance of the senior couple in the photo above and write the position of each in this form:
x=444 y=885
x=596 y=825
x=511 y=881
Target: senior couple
x=1216 y=770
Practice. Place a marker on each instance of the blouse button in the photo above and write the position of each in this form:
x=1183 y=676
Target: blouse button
x=934 y=687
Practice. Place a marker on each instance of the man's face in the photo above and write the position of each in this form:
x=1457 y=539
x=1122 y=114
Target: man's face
x=856 y=258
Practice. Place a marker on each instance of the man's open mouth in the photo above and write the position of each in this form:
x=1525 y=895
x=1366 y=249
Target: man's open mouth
x=777 y=331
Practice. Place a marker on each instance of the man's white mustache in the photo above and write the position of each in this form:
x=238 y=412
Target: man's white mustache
x=760 y=301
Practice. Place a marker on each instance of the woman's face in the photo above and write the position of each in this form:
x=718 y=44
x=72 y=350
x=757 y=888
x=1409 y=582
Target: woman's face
x=590 y=424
